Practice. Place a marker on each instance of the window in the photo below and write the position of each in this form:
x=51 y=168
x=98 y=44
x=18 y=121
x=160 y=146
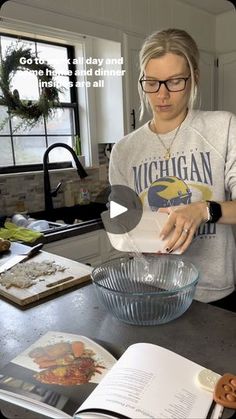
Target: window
x=22 y=148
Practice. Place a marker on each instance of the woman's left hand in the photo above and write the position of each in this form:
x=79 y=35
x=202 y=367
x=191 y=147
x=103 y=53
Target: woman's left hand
x=183 y=221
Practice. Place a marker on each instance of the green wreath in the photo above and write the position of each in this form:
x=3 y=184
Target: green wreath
x=30 y=112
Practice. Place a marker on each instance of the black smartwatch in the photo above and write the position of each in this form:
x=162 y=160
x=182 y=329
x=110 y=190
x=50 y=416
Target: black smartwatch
x=215 y=211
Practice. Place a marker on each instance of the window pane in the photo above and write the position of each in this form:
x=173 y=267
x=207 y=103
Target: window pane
x=61 y=122
x=4 y=118
x=27 y=85
x=15 y=42
x=63 y=82
x=6 y=151
x=55 y=56
x=29 y=149
x=36 y=130
x=60 y=154
x=24 y=81
x=28 y=144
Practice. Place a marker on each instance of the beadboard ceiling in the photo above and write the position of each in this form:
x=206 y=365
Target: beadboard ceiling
x=215 y=7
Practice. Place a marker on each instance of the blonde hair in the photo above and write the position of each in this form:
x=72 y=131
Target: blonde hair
x=176 y=41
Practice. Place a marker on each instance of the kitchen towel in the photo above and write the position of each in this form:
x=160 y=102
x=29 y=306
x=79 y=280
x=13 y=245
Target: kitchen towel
x=13 y=232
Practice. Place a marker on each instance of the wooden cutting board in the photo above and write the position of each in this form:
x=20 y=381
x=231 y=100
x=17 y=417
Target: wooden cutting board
x=77 y=272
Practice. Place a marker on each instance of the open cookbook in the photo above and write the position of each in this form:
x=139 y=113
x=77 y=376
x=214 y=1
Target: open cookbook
x=64 y=376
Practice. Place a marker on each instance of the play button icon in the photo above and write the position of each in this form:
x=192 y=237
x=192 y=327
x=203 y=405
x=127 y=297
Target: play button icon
x=125 y=210
x=116 y=209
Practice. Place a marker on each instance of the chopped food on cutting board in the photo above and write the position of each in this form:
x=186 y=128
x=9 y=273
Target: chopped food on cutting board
x=24 y=275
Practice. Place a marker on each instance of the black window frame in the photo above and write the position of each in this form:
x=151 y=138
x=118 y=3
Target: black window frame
x=71 y=105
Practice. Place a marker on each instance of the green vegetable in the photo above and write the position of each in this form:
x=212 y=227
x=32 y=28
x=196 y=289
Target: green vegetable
x=77 y=146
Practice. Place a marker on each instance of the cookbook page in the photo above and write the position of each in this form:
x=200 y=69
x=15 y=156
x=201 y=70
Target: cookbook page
x=55 y=374
x=149 y=382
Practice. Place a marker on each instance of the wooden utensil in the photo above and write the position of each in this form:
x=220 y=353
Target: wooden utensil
x=60 y=281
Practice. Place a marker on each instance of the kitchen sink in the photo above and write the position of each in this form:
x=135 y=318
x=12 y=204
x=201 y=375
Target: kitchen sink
x=52 y=226
x=58 y=217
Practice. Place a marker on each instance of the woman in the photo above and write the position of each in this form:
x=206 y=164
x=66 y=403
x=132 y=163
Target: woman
x=183 y=162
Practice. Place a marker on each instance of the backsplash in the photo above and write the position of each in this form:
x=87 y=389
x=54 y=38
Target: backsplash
x=25 y=191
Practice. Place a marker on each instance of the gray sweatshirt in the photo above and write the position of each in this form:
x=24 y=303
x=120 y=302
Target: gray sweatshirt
x=202 y=167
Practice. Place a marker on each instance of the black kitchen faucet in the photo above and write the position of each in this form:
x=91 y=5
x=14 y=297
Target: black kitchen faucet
x=48 y=193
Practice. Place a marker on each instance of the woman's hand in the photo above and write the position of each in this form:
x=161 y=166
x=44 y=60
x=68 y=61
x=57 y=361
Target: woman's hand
x=183 y=221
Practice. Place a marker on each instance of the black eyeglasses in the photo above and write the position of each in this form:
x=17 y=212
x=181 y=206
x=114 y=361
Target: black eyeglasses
x=172 y=85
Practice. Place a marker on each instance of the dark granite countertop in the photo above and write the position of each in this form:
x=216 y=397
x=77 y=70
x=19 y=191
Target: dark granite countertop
x=204 y=334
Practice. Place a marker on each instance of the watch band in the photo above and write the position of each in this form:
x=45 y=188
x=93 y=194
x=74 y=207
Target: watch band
x=214 y=211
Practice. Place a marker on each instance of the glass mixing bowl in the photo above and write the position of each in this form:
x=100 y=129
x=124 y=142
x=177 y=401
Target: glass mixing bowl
x=148 y=290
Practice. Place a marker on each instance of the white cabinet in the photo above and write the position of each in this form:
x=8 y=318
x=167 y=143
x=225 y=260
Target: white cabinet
x=227 y=82
x=207 y=81
x=83 y=248
x=107 y=251
x=132 y=46
x=92 y=248
x=108 y=117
